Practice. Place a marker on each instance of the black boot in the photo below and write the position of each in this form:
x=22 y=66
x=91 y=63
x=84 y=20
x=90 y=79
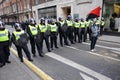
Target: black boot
x=8 y=61
x=30 y=60
x=2 y=64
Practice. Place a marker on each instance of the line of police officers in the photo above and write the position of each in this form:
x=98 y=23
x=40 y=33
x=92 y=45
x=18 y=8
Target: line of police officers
x=69 y=32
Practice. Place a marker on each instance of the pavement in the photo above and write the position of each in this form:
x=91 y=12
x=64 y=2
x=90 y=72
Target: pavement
x=19 y=71
x=109 y=38
x=16 y=71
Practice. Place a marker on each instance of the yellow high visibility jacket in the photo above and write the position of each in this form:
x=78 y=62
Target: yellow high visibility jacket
x=43 y=28
x=82 y=24
x=53 y=28
x=17 y=34
x=4 y=35
x=77 y=24
x=69 y=23
x=33 y=30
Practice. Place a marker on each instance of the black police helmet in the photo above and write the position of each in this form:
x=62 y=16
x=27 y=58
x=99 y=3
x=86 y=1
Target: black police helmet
x=17 y=26
x=69 y=17
x=2 y=25
x=76 y=20
x=31 y=21
x=59 y=18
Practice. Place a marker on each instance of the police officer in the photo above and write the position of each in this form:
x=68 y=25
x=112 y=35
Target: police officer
x=16 y=37
x=76 y=30
x=4 y=45
x=48 y=30
x=53 y=36
x=62 y=31
x=98 y=23
x=32 y=31
x=88 y=28
x=23 y=25
x=44 y=36
x=70 y=29
x=82 y=31
x=102 y=24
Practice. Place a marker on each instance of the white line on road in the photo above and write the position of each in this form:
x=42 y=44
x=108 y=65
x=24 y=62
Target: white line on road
x=77 y=66
x=118 y=49
x=104 y=56
x=109 y=42
x=117 y=52
x=85 y=77
x=93 y=53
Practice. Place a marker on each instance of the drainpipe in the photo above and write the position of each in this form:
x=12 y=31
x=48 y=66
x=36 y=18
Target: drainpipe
x=17 y=11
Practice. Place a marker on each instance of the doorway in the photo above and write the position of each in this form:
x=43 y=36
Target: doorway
x=66 y=11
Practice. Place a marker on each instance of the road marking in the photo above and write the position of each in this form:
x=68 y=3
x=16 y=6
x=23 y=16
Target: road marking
x=104 y=56
x=93 y=53
x=77 y=66
x=109 y=42
x=116 y=52
x=118 y=49
x=34 y=68
x=85 y=77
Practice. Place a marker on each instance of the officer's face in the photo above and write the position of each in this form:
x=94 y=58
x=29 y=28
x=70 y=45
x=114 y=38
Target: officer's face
x=43 y=21
x=69 y=18
x=61 y=19
x=32 y=22
x=18 y=28
x=53 y=22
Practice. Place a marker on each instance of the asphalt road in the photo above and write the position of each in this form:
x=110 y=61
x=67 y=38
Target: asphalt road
x=76 y=62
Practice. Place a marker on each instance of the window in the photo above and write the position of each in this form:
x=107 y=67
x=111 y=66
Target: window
x=14 y=7
x=37 y=2
x=49 y=12
x=25 y=3
x=83 y=1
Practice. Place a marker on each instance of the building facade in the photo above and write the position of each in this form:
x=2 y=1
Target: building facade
x=15 y=10
x=63 y=8
x=111 y=9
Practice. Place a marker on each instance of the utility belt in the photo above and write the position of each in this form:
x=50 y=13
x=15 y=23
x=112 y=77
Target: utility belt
x=83 y=28
x=4 y=41
x=76 y=27
x=70 y=26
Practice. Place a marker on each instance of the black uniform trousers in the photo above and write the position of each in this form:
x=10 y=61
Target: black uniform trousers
x=33 y=45
x=4 y=52
x=76 y=34
x=89 y=33
x=69 y=32
x=93 y=42
x=53 y=39
x=63 y=36
x=83 y=34
x=101 y=30
x=46 y=38
x=25 y=49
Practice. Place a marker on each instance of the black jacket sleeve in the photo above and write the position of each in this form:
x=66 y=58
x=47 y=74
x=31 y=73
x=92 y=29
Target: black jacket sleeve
x=13 y=39
x=29 y=32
